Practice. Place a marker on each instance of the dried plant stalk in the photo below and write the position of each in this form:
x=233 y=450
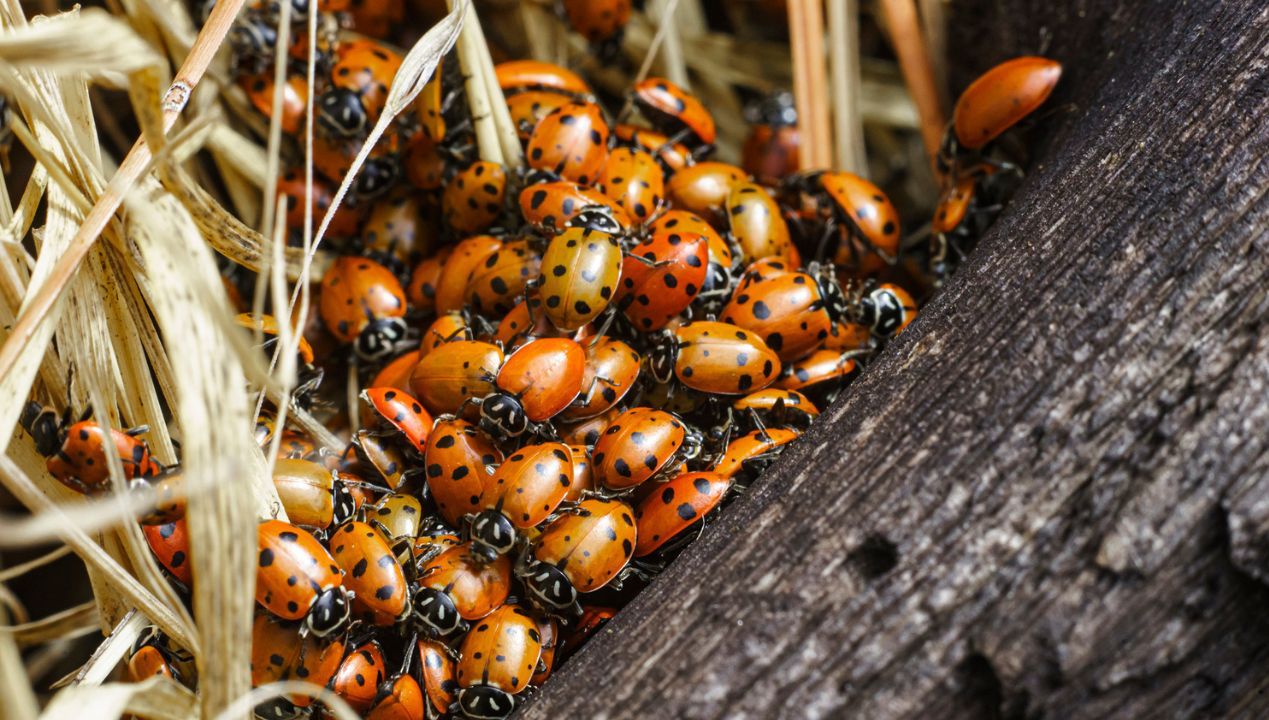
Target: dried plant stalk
x=918 y=72
x=158 y=698
x=19 y=700
x=848 y=126
x=806 y=38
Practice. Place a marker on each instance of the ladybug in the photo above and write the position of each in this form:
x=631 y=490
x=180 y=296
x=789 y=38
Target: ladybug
x=334 y=156
x=439 y=674
x=447 y=328
x=170 y=544
x=457 y=372
x=776 y=407
x=822 y=366
x=148 y=659
x=581 y=268
x=459 y=462
x=376 y=18
x=673 y=156
x=845 y=335
x=525 y=489
x=425 y=167
x=260 y=91
x=400 y=698
x=76 y=451
x=580 y=551
x=887 y=310
x=473 y=199
x=310 y=493
x=430 y=543
x=587 y=432
x=344 y=224
x=612 y=368
x=281 y=652
x=165 y=498
x=957 y=217
x=521 y=75
x=424 y=280
x=676 y=505
x=398 y=411
x=715 y=357
x=268 y=325
x=394 y=233
x=527 y=109
x=549 y=630
x=396 y=374
x=429 y=106
x=494 y=285
x=359 y=675
x=535 y=384
x=674 y=110
x=499 y=657
x=661 y=277
x=720 y=278
x=788 y=311
x=363 y=303
x=550 y=206
x=387 y=460
x=634 y=180
x=599 y=21
x=770 y=152
x=397 y=517
x=751 y=453
x=457 y=586
x=998 y=100
x=371 y=573
x=572 y=142
x=451 y=286
x=703 y=189
x=863 y=217
x=526 y=322
x=359 y=87
x=642 y=444
x=296 y=578
x=757 y=225
x=593 y=618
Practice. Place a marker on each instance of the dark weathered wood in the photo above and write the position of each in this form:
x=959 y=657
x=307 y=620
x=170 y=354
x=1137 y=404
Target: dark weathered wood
x=1049 y=498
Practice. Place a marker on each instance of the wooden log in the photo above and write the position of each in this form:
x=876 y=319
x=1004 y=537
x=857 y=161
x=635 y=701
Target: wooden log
x=1049 y=497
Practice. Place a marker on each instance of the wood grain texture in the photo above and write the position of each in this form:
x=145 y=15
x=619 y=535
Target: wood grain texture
x=1048 y=498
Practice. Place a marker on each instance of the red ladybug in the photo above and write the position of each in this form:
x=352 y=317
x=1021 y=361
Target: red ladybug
x=360 y=78
x=724 y=261
x=520 y=75
x=578 y=552
x=599 y=21
x=661 y=277
x=771 y=150
x=673 y=156
x=534 y=384
x=457 y=586
x=642 y=444
x=424 y=279
x=789 y=311
x=675 y=110
x=76 y=451
x=400 y=698
x=363 y=303
x=147 y=660
x=581 y=268
x=866 y=222
x=280 y=652
x=676 y=505
x=495 y=284
x=832 y=368
x=459 y=462
x=371 y=573
x=572 y=142
x=296 y=578
x=525 y=489
x=775 y=407
x=1001 y=97
x=451 y=286
x=399 y=411
x=612 y=368
x=751 y=453
x=359 y=675
x=549 y=206
x=170 y=544
x=344 y=224
x=260 y=91
x=528 y=107
x=438 y=670
x=635 y=181
x=499 y=657
x=715 y=357
x=473 y=199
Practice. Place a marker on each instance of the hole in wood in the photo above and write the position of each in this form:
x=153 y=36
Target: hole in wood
x=874 y=557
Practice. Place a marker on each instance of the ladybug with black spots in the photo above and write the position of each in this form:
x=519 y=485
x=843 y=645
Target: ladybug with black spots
x=439 y=674
x=459 y=586
x=669 y=510
x=281 y=652
x=714 y=357
x=724 y=259
x=634 y=180
x=750 y=453
x=76 y=451
x=571 y=142
x=297 y=579
x=363 y=304
x=612 y=370
x=642 y=444
x=396 y=411
x=515 y=76
x=860 y=226
x=494 y=285
x=535 y=383
x=359 y=81
x=400 y=697
x=757 y=226
x=601 y=22
x=372 y=574
x=581 y=551
x=359 y=675
x=499 y=657
x=580 y=272
x=792 y=312
x=550 y=205
x=170 y=544
x=459 y=461
x=525 y=489
x=660 y=278
x=473 y=199
x=675 y=111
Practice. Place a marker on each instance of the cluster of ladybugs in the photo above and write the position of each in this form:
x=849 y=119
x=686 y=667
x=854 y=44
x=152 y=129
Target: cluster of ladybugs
x=567 y=370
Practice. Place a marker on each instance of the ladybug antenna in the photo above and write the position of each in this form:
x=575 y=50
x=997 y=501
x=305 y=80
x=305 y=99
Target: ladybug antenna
x=410 y=648
x=609 y=315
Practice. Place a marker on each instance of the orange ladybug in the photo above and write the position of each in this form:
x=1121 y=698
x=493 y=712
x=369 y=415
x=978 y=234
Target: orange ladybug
x=170 y=544
x=438 y=671
x=720 y=277
x=675 y=111
x=457 y=372
x=396 y=374
x=715 y=357
x=778 y=408
x=371 y=573
x=345 y=222
x=866 y=222
x=467 y=255
x=527 y=109
x=535 y=384
x=703 y=188
x=359 y=79
x=395 y=234
x=599 y=21
x=424 y=280
x=310 y=493
x=661 y=277
x=832 y=367
x=787 y=311
x=259 y=90
x=520 y=75
x=676 y=505
x=771 y=150
x=401 y=412
x=579 y=552
x=572 y=142
x=279 y=651
x=642 y=444
x=757 y=225
x=495 y=284
x=550 y=206
x=400 y=698
x=527 y=321
x=887 y=310
x=673 y=156
x=525 y=489
x=635 y=181
x=363 y=303
x=612 y=368
x=581 y=268
x=296 y=578
x=498 y=658
x=549 y=630
x=457 y=586
x=1001 y=97
x=748 y=454
x=459 y=462
x=359 y=676
x=76 y=451
x=473 y=199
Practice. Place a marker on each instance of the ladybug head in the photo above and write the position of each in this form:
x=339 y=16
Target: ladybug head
x=882 y=311
x=377 y=176
x=549 y=586
x=485 y=702
x=340 y=112
x=835 y=302
x=299 y=11
x=537 y=177
x=661 y=358
x=253 y=38
x=492 y=534
x=501 y=415
x=381 y=338
x=43 y=426
x=330 y=612
x=277 y=709
x=776 y=110
x=435 y=613
x=597 y=217
x=692 y=443
x=345 y=505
